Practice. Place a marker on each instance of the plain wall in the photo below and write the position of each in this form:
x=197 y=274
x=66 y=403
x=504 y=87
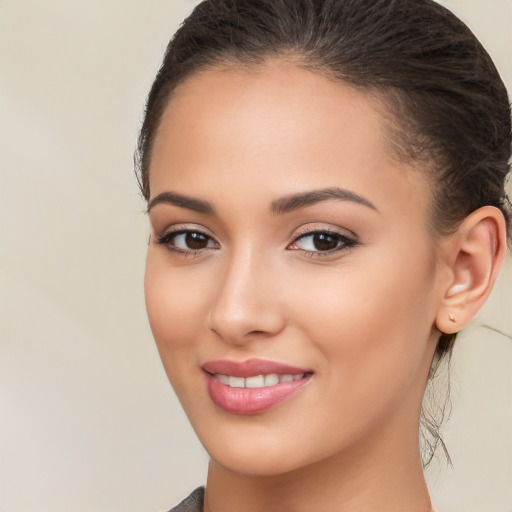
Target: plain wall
x=88 y=421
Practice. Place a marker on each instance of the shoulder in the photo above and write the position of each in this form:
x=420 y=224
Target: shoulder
x=192 y=503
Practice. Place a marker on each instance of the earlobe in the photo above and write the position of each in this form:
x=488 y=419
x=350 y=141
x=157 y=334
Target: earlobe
x=474 y=255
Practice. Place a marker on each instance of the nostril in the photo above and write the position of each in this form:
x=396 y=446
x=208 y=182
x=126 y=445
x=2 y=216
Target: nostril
x=253 y=333
x=242 y=312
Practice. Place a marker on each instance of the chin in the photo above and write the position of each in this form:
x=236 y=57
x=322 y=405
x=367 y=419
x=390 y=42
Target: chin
x=261 y=465
x=251 y=455
x=264 y=454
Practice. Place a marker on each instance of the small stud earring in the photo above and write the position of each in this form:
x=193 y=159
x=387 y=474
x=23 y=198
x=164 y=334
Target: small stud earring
x=452 y=318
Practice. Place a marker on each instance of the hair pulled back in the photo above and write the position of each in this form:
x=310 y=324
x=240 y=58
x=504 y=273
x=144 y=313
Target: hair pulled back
x=449 y=108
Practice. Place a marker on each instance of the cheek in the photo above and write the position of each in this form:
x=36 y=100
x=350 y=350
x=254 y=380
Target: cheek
x=174 y=300
x=372 y=320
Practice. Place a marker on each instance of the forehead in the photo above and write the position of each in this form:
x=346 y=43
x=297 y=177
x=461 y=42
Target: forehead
x=278 y=127
x=273 y=107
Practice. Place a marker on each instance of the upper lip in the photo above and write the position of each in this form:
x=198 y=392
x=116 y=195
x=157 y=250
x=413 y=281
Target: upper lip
x=250 y=368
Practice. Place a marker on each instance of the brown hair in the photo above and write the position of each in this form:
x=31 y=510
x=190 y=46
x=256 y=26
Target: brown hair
x=450 y=107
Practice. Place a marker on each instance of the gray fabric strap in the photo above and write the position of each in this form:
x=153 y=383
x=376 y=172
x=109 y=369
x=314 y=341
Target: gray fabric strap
x=192 y=503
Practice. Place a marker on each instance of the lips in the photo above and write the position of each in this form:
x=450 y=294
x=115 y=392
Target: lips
x=252 y=386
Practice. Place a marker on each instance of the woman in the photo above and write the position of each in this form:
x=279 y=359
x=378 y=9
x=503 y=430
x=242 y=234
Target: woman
x=325 y=187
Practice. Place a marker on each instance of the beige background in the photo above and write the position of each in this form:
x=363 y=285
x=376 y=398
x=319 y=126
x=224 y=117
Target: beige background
x=87 y=419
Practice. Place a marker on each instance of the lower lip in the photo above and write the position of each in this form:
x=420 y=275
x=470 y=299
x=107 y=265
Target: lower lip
x=252 y=400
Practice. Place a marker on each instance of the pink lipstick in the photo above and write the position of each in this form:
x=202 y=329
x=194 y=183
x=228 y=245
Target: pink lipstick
x=252 y=386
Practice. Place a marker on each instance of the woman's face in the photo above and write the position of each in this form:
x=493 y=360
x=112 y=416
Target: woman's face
x=291 y=279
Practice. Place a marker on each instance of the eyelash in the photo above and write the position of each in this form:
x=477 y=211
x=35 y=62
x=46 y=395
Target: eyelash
x=167 y=238
x=344 y=242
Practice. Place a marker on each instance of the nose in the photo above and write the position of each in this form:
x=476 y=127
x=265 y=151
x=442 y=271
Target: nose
x=246 y=306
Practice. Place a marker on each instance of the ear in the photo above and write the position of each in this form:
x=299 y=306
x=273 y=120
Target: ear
x=473 y=257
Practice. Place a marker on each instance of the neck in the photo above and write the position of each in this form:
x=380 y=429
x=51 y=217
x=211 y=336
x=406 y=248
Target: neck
x=365 y=480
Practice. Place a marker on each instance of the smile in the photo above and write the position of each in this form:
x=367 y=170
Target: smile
x=252 y=386
x=258 y=381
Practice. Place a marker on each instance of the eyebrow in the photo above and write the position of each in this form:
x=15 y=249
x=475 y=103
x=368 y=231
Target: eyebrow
x=190 y=203
x=301 y=200
x=279 y=206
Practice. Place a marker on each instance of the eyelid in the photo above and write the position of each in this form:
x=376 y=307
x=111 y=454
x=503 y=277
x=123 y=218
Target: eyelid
x=165 y=238
x=314 y=227
x=345 y=241
x=184 y=228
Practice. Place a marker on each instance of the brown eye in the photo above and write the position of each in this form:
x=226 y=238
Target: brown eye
x=187 y=241
x=322 y=242
x=195 y=241
x=325 y=241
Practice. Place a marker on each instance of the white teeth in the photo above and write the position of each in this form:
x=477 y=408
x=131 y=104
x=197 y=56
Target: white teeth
x=258 y=381
x=222 y=378
x=255 y=382
x=272 y=379
x=236 y=382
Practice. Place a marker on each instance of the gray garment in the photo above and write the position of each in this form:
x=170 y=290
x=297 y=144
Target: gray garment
x=193 y=503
